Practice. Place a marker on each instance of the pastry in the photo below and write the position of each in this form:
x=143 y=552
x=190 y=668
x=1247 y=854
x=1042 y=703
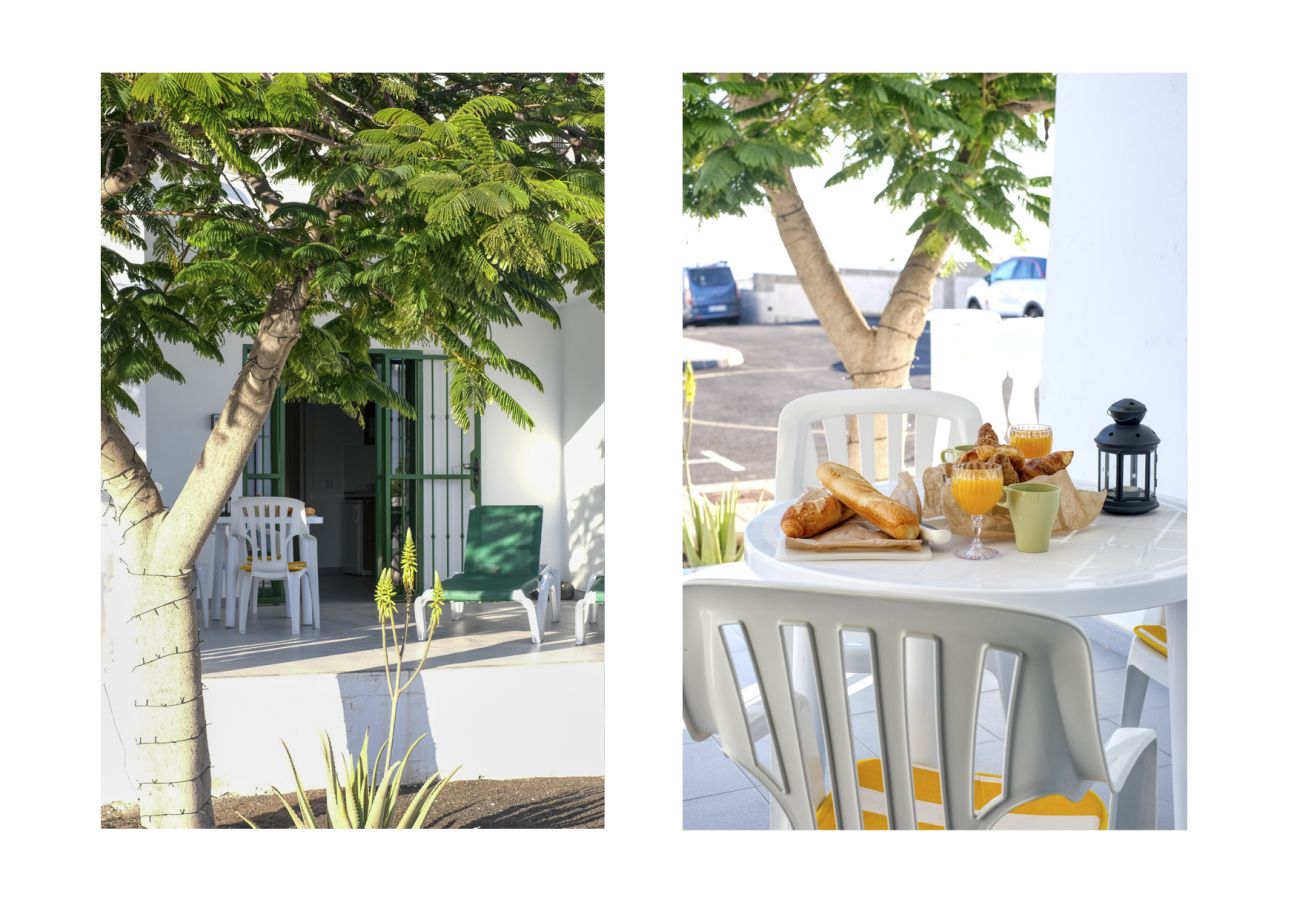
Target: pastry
x=1049 y=464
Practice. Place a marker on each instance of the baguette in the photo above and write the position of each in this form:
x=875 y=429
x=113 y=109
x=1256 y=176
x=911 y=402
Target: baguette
x=816 y=511
x=855 y=492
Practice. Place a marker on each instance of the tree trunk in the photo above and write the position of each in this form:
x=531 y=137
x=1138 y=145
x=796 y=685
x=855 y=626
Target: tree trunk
x=873 y=357
x=171 y=769
x=154 y=592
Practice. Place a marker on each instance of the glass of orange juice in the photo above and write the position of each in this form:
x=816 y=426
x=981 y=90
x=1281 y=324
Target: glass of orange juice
x=977 y=486
x=1031 y=440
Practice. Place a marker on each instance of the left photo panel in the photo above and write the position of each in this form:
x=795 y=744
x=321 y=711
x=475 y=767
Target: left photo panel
x=352 y=450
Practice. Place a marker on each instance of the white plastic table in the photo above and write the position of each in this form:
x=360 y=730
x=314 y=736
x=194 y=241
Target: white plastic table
x=223 y=583
x=1117 y=564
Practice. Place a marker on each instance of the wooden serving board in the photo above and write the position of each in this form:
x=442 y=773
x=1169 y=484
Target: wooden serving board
x=854 y=539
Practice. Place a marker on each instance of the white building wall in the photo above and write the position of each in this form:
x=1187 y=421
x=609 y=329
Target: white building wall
x=518 y=466
x=583 y=432
x=780 y=298
x=1118 y=322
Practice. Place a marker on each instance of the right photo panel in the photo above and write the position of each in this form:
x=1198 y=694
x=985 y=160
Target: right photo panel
x=934 y=467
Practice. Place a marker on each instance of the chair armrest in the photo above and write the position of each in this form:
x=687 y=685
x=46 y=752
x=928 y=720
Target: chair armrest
x=1131 y=759
x=1123 y=751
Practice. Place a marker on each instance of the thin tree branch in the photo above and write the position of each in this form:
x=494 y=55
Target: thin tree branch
x=139 y=158
x=288 y=132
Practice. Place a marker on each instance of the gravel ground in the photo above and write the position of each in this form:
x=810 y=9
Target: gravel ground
x=480 y=803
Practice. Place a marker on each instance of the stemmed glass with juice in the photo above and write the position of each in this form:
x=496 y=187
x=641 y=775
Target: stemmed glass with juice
x=977 y=487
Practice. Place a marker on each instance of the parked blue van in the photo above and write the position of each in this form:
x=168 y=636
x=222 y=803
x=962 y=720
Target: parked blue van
x=710 y=294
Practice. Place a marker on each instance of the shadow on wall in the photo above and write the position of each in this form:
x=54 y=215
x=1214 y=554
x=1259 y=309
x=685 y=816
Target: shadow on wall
x=365 y=702
x=586 y=511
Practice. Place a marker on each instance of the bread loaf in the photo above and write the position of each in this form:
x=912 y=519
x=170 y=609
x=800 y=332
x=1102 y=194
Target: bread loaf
x=855 y=492
x=816 y=511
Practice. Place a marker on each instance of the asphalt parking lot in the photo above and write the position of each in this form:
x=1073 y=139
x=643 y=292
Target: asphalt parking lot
x=736 y=409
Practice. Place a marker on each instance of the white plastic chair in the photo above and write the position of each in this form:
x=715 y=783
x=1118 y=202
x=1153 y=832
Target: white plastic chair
x=798 y=707
x=1145 y=663
x=940 y=420
x=234 y=557
x=262 y=532
x=585 y=610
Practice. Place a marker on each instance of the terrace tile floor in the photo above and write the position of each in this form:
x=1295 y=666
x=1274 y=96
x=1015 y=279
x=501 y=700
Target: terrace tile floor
x=489 y=634
x=718 y=794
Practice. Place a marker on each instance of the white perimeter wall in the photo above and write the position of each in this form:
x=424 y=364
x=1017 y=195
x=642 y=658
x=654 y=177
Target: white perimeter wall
x=1118 y=322
x=559 y=465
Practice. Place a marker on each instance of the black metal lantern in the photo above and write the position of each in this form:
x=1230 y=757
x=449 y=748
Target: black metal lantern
x=1126 y=460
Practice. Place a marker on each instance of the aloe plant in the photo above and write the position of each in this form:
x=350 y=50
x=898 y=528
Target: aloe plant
x=362 y=794
x=709 y=534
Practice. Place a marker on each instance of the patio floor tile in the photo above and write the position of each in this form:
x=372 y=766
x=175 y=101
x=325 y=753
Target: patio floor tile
x=706 y=770
x=744 y=809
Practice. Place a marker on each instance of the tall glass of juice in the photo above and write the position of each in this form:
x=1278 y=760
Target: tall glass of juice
x=977 y=487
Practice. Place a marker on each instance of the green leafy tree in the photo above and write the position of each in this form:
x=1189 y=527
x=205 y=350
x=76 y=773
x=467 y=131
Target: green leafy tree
x=437 y=208
x=947 y=141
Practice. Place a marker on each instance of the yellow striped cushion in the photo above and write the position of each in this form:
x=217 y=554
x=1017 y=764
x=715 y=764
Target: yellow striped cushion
x=293 y=567
x=1055 y=812
x=1155 y=637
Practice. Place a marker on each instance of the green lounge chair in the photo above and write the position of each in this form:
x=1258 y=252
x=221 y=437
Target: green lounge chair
x=585 y=610
x=503 y=550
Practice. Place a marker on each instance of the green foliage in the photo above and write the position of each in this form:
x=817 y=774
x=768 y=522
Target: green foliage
x=362 y=795
x=438 y=208
x=943 y=140
x=709 y=533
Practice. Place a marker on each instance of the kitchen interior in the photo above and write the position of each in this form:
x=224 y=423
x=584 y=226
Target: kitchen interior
x=330 y=464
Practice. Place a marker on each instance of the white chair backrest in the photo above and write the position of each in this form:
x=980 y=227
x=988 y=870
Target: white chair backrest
x=939 y=421
x=795 y=708
x=266 y=526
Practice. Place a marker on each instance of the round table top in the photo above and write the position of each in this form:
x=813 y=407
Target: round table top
x=1116 y=564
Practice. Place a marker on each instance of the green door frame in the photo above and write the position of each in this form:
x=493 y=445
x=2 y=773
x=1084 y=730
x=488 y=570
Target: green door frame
x=385 y=479
x=271 y=448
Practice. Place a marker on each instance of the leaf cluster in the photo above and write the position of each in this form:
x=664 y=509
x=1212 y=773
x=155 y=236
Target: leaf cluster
x=947 y=143
x=436 y=208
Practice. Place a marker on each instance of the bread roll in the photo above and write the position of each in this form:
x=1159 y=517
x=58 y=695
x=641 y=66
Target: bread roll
x=987 y=436
x=816 y=511
x=855 y=492
x=1049 y=464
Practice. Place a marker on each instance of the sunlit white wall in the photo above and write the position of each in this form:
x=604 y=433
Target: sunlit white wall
x=584 y=439
x=1118 y=321
x=1118 y=281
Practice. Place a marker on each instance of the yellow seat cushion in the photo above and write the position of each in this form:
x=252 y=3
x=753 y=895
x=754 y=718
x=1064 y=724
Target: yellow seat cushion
x=1055 y=812
x=1155 y=637
x=293 y=567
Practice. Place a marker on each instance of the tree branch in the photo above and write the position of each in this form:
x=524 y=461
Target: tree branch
x=139 y=157
x=124 y=474
x=288 y=132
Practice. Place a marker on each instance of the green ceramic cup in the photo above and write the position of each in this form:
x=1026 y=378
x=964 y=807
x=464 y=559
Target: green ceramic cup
x=952 y=454
x=1033 y=510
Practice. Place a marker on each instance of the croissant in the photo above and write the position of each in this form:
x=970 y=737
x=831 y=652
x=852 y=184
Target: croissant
x=987 y=436
x=1049 y=464
x=985 y=452
x=1009 y=475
